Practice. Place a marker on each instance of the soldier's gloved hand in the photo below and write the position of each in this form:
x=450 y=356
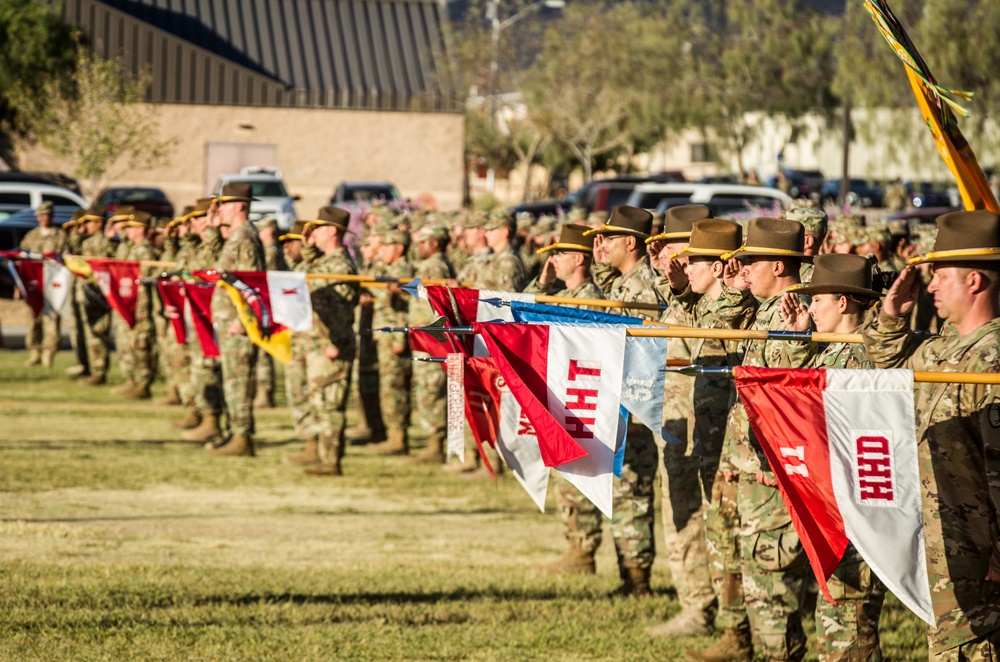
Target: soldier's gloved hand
x=331 y=352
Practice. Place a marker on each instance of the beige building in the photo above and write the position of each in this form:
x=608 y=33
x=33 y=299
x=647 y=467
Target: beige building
x=324 y=90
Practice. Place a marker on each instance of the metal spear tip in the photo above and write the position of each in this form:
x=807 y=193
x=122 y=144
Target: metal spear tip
x=412 y=288
x=496 y=302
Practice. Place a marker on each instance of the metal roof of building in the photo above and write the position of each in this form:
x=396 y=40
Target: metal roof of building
x=363 y=54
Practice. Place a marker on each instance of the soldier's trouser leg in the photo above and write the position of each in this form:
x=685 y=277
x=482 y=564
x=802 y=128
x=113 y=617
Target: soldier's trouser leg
x=774 y=570
x=430 y=394
x=581 y=518
x=329 y=386
x=633 y=523
x=33 y=335
x=143 y=345
x=265 y=374
x=848 y=631
x=297 y=387
x=239 y=366
x=50 y=332
x=722 y=533
x=683 y=514
x=97 y=331
x=206 y=381
x=126 y=359
x=394 y=386
x=77 y=335
x=177 y=360
x=366 y=384
x=985 y=648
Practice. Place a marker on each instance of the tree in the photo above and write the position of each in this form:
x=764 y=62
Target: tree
x=98 y=119
x=35 y=43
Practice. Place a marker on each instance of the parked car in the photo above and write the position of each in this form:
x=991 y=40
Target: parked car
x=587 y=196
x=53 y=178
x=14 y=227
x=352 y=195
x=15 y=196
x=145 y=198
x=861 y=193
x=805 y=183
x=268 y=187
x=929 y=194
x=722 y=199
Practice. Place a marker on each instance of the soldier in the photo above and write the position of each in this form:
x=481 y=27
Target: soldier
x=634 y=507
x=566 y=273
x=705 y=269
x=394 y=368
x=478 y=250
x=815 y=223
x=75 y=234
x=958 y=429
x=331 y=344
x=774 y=565
x=200 y=249
x=687 y=465
x=364 y=384
x=140 y=340
x=42 y=336
x=274 y=260
x=841 y=290
x=95 y=309
x=505 y=272
x=175 y=363
x=429 y=380
x=242 y=251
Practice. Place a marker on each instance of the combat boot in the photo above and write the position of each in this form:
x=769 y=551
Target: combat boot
x=93 y=380
x=688 y=623
x=263 y=400
x=635 y=584
x=47 y=357
x=396 y=444
x=207 y=430
x=433 y=454
x=574 y=562
x=324 y=469
x=122 y=389
x=736 y=645
x=78 y=370
x=307 y=458
x=238 y=445
x=190 y=421
x=34 y=358
x=468 y=466
x=172 y=398
x=137 y=392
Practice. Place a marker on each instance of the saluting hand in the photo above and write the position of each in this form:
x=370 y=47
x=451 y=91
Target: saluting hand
x=732 y=274
x=900 y=298
x=676 y=275
x=794 y=313
x=548 y=275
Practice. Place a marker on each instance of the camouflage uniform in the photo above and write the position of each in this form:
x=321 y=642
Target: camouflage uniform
x=848 y=630
x=430 y=380
x=206 y=378
x=78 y=338
x=274 y=260
x=175 y=360
x=505 y=272
x=126 y=361
x=242 y=251
x=958 y=450
x=581 y=518
x=634 y=508
x=475 y=267
x=141 y=338
x=43 y=332
x=774 y=563
x=96 y=311
x=713 y=397
x=296 y=382
x=393 y=373
x=329 y=380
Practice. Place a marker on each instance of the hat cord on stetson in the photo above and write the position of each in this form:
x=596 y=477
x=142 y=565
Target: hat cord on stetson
x=701 y=251
x=762 y=249
x=958 y=252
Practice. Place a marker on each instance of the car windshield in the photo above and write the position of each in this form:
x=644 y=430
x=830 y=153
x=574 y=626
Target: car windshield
x=136 y=194
x=268 y=190
x=370 y=193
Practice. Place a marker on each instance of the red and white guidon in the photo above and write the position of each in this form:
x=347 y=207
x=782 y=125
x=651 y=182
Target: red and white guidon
x=842 y=445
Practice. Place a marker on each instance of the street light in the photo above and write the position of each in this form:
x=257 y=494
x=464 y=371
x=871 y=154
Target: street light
x=493 y=14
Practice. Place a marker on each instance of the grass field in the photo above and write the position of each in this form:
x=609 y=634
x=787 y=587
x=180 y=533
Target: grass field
x=119 y=541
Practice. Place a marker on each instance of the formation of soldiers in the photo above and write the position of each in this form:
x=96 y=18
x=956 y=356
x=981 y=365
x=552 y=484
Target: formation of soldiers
x=735 y=557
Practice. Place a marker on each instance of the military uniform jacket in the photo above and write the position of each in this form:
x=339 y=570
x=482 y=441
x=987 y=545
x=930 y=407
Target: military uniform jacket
x=434 y=267
x=475 y=267
x=333 y=302
x=274 y=257
x=392 y=309
x=636 y=286
x=958 y=448
x=48 y=240
x=741 y=444
x=241 y=252
x=505 y=272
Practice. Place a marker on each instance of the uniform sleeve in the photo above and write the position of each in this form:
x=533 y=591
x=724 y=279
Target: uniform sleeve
x=534 y=287
x=988 y=410
x=889 y=342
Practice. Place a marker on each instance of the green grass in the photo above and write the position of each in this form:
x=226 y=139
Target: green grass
x=119 y=541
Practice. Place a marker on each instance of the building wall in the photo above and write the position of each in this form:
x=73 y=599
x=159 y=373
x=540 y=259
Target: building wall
x=316 y=150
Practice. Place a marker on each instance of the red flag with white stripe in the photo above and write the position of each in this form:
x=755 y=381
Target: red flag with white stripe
x=842 y=445
x=568 y=381
x=199 y=296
